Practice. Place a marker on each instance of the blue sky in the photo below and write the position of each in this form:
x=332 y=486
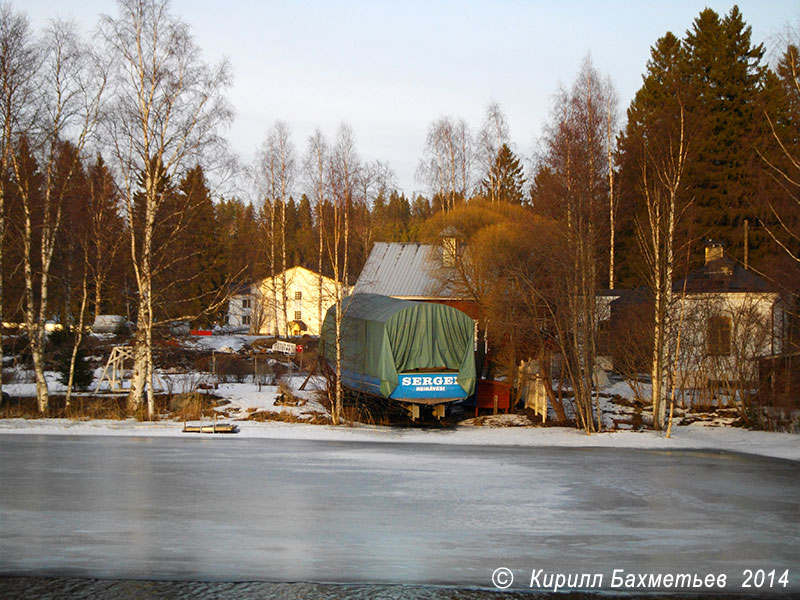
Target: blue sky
x=390 y=68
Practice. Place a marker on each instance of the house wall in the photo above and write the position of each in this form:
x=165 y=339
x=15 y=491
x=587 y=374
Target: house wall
x=240 y=310
x=757 y=328
x=603 y=330
x=298 y=280
x=752 y=318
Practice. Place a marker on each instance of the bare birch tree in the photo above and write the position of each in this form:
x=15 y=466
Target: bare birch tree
x=277 y=166
x=611 y=131
x=446 y=166
x=342 y=171
x=492 y=135
x=374 y=179
x=658 y=138
x=18 y=60
x=783 y=162
x=315 y=165
x=70 y=83
x=265 y=185
x=571 y=187
x=167 y=110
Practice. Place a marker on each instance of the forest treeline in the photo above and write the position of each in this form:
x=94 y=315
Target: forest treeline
x=109 y=171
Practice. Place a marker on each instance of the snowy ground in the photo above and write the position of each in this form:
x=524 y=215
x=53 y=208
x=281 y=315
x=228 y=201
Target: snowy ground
x=244 y=399
x=245 y=404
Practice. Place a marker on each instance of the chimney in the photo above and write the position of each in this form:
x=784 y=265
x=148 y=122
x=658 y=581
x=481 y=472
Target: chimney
x=714 y=250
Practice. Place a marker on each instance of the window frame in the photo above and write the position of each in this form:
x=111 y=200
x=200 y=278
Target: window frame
x=719 y=336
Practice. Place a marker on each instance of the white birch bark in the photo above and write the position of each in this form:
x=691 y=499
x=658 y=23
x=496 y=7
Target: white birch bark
x=70 y=85
x=315 y=163
x=167 y=110
x=657 y=240
x=18 y=62
x=343 y=167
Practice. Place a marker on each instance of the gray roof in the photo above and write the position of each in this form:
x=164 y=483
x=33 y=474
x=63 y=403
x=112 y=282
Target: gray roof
x=402 y=270
x=722 y=275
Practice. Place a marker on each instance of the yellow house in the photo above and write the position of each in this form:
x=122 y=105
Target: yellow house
x=289 y=303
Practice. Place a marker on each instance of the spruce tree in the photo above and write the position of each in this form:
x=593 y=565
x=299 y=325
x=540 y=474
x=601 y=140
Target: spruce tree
x=726 y=78
x=505 y=177
x=720 y=70
x=200 y=240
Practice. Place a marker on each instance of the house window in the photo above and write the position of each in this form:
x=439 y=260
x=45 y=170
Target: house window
x=245 y=302
x=604 y=338
x=718 y=336
x=245 y=319
x=298 y=295
x=298 y=316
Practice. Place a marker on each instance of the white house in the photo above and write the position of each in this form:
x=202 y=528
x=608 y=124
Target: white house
x=287 y=304
x=727 y=318
x=240 y=307
x=723 y=318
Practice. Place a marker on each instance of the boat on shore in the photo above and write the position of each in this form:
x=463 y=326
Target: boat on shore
x=419 y=354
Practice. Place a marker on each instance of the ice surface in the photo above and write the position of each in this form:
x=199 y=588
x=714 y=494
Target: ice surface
x=309 y=510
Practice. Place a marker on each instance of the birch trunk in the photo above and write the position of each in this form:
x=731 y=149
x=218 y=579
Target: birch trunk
x=319 y=269
x=36 y=315
x=611 y=210
x=34 y=327
x=78 y=332
x=165 y=115
x=284 y=293
x=143 y=349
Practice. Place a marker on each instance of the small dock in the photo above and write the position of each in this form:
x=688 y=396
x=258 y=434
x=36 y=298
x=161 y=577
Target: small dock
x=210 y=427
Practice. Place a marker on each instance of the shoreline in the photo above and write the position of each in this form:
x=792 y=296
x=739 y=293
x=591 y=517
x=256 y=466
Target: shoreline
x=684 y=437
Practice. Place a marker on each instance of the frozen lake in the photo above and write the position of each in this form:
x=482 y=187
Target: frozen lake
x=227 y=509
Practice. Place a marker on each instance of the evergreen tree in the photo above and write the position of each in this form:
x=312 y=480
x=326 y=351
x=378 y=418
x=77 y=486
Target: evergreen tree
x=82 y=375
x=68 y=264
x=397 y=219
x=243 y=247
x=505 y=179
x=722 y=87
x=200 y=244
x=652 y=126
x=306 y=237
x=108 y=249
x=727 y=77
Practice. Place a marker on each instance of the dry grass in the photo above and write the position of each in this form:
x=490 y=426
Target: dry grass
x=360 y=412
x=81 y=407
x=113 y=407
x=192 y=406
x=312 y=418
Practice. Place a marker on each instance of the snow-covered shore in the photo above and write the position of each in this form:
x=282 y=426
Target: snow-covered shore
x=241 y=400
x=696 y=436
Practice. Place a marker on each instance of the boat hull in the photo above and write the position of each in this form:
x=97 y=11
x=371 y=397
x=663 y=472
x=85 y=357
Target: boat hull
x=416 y=388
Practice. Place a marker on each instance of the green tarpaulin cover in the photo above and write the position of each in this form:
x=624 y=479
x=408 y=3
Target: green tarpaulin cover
x=384 y=336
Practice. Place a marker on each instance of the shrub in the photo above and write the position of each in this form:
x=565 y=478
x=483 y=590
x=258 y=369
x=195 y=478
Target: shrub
x=82 y=376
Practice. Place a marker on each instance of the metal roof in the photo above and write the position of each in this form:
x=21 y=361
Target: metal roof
x=402 y=270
